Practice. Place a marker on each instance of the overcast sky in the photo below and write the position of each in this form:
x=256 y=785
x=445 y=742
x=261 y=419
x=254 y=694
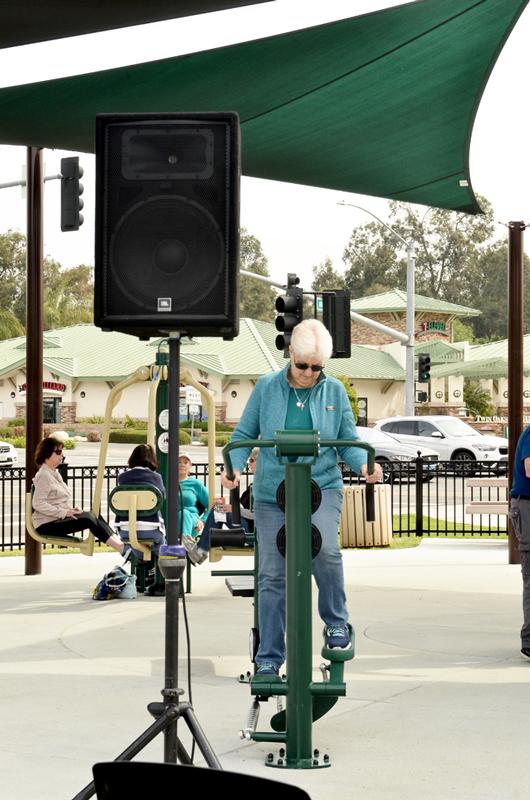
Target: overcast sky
x=298 y=226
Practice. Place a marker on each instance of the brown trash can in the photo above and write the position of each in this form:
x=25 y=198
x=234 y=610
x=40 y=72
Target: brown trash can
x=354 y=530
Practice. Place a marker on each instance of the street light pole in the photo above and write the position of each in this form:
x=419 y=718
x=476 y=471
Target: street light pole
x=409 y=322
x=410 y=382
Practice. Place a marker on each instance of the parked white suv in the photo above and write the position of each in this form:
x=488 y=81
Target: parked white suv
x=8 y=455
x=452 y=438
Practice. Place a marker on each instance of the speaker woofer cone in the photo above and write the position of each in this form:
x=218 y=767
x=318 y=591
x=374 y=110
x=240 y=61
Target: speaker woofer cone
x=171 y=242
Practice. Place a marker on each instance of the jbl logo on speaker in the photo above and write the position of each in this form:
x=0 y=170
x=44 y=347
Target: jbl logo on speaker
x=167 y=224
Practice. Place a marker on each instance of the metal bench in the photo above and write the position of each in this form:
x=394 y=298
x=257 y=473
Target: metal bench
x=481 y=506
x=85 y=544
x=134 y=502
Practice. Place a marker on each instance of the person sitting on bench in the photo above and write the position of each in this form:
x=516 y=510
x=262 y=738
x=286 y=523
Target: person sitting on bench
x=194 y=498
x=142 y=469
x=221 y=514
x=53 y=512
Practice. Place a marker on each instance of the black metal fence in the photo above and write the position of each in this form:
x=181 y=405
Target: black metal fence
x=427 y=499
x=440 y=498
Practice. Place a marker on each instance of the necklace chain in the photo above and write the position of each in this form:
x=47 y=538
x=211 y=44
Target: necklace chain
x=301 y=403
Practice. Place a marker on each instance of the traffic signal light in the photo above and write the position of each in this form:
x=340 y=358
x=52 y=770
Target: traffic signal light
x=424 y=368
x=71 y=191
x=336 y=318
x=290 y=308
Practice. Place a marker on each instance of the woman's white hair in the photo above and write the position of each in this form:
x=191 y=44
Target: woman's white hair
x=311 y=338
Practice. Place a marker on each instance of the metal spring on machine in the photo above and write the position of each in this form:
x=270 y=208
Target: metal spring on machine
x=252 y=721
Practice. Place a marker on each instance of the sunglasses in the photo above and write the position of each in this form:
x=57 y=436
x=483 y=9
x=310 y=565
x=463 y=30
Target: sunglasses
x=58 y=452
x=312 y=367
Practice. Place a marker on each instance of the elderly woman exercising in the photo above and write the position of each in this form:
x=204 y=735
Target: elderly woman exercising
x=299 y=397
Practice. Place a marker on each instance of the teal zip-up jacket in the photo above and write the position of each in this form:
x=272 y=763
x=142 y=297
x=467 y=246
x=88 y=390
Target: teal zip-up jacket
x=265 y=414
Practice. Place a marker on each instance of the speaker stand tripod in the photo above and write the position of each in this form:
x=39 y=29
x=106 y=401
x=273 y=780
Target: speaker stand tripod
x=172 y=562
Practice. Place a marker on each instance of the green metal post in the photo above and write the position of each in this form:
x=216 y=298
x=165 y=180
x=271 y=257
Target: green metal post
x=298 y=611
x=162 y=415
x=162 y=405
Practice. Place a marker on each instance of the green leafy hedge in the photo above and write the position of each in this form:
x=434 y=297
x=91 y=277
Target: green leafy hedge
x=203 y=426
x=20 y=442
x=221 y=438
x=128 y=435
x=132 y=436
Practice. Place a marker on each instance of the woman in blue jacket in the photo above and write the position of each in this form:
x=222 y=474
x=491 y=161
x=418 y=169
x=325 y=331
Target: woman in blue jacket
x=194 y=499
x=300 y=397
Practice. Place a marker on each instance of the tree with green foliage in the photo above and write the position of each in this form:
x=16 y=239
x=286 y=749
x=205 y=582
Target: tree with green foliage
x=68 y=293
x=13 y=275
x=372 y=261
x=477 y=399
x=257 y=298
x=326 y=278
x=352 y=395
x=446 y=244
x=68 y=296
x=462 y=332
x=10 y=326
x=491 y=275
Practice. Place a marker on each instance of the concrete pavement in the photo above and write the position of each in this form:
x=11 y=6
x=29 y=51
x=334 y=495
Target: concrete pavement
x=437 y=696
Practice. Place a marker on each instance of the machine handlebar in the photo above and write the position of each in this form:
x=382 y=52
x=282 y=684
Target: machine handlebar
x=251 y=443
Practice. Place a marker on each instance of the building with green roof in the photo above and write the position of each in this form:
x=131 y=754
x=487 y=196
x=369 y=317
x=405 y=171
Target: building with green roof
x=488 y=365
x=81 y=363
x=433 y=319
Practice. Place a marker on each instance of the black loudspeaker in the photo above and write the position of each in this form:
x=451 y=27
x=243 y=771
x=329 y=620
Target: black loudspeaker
x=167 y=224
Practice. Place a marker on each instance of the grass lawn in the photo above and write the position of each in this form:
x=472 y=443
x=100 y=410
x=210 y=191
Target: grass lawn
x=434 y=528
x=56 y=551
x=452 y=530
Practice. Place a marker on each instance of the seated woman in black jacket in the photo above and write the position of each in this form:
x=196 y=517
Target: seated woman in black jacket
x=142 y=466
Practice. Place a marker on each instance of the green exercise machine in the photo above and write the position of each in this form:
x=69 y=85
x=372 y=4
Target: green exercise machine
x=306 y=700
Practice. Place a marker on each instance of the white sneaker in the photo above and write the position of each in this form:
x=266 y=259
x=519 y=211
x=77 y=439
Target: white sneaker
x=195 y=553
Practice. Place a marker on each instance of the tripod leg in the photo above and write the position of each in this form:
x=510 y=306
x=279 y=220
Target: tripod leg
x=199 y=736
x=158 y=726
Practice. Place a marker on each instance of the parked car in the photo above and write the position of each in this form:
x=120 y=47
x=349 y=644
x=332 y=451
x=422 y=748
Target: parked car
x=8 y=455
x=452 y=438
x=397 y=460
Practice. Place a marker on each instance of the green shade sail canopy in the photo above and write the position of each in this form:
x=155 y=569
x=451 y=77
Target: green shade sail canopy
x=381 y=104
x=25 y=21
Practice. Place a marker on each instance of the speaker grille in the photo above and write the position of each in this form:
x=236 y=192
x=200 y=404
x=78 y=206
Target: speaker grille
x=171 y=247
x=167 y=223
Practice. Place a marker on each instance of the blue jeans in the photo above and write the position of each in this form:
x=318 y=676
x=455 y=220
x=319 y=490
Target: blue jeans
x=327 y=569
